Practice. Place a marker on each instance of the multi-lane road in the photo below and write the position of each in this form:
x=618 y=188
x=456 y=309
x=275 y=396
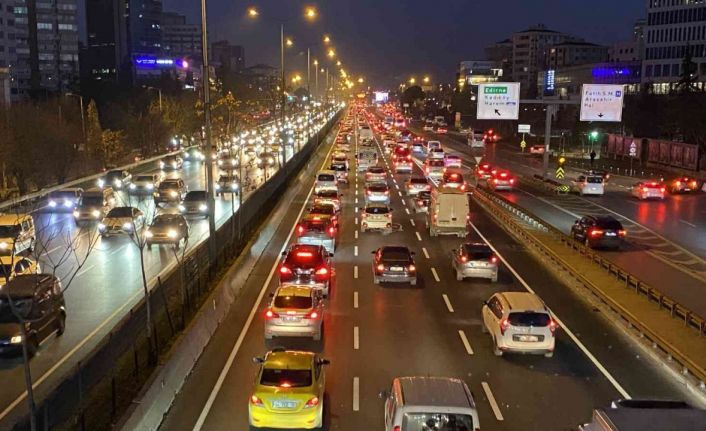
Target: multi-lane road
x=374 y=333
x=109 y=283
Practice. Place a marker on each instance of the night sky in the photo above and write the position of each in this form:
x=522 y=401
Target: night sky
x=388 y=41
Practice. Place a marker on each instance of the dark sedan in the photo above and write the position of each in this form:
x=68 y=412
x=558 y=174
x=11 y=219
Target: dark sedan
x=394 y=264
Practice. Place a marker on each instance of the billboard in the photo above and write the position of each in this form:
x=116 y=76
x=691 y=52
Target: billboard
x=381 y=96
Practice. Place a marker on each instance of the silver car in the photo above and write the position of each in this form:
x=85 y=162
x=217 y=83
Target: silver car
x=295 y=311
x=376 y=217
x=415 y=185
x=474 y=260
x=375 y=174
x=143 y=184
x=377 y=192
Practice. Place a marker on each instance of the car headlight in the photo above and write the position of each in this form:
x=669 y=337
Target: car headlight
x=220 y=163
x=148 y=234
x=52 y=204
x=68 y=204
x=17 y=339
x=172 y=233
x=95 y=213
x=234 y=187
x=218 y=186
x=173 y=194
x=100 y=183
x=161 y=164
x=174 y=164
x=203 y=207
x=76 y=214
x=150 y=186
x=182 y=208
x=118 y=183
x=133 y=186
x=101 y=226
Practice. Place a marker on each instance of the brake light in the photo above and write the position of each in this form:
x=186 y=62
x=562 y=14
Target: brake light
x=254 y=400
x=662 y=190
x=381 y=267
x=678 y=183
x=285 y=270
x=271 y=314
x=387 y=192
x=495 y=180
x=331 y=230
x=622 y=232
x=304 y=254
x=285 y=385
x=464 y=259
x=644 y=189
x=552 y=326
x=409 y=157
x=494 y=259
x=503 y=326
x=503 y=175
x=412 y=268
x=596 y=232
x=313 y=315
x=300 y=229
x=312 y=403
x=427 y=169
x=322 y=271
x=512 y=181
x=397 y=428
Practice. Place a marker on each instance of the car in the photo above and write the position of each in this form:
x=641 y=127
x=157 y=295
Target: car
x=64 y=199
x=428 y=126
x=170 y=190
x=167 y=229
x=325 y=209
x=436 y=153
x=195 y=203
x=599 y=231
x=537 y=149
x=343 y=147
x=143 y=184
x=118 y=179
x=328 y=197
x=341 y=170
x=475 y=143
x=171 y=163
x=418 y=147
x=491 y=136
x=474 y=260
x=295 y=311
x=267 y=160
x=519 y=322
x=422 y=201
x=433 y=144
x=452 y=161
x=227 y=183
x=375 y=174
x=122 y=221
x=38 y=303
x=453 y=179
x=227 y=161
x=307 y=264
x=682 y=185
x=289 y=391
x=414 y=185
x=318 y=229
x=394 y=264
x=589 y=184
x=194 y=154
x=600 y=172
x=12 y=266
x=340 y=157
x=648 y=190
x=377 y=192
x=376 y=217
x=500 y=180
x=441 y=129
x=484 y=171
x=94 y=204
x=434 y=168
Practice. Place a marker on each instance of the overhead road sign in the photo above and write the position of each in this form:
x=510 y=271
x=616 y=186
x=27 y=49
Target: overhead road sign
x=601 y=102
x=498 y=101
x=523 y=128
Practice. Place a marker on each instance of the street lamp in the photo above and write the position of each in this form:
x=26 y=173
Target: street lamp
x=361 y=80
x=289 y=42
x=331 y=53
x=412 y=81
x=252 y=12
x=310 y=13
x=426 y=79
x=327 y=39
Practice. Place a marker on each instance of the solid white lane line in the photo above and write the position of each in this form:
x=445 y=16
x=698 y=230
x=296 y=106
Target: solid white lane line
x=491 y=399
x=406 y=210
x=356 y=338
x=436 y=276
x=419 y=237
x=355 y=250
x=426 y=253
x=465 y=342
x=571 y=335
x=412 y=222
x=687 y=223
x=355 y=271
x=447 y=302
x=231 y=358
x=356 y=234
x=355 y=299
x=356 y=394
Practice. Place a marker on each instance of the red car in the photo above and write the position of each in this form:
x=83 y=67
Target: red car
x=484 y=171
x=491 y=136
x=454 y=179
x=308 y=265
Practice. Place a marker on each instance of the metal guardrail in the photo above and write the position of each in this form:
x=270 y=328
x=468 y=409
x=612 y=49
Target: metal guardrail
x=501 y=208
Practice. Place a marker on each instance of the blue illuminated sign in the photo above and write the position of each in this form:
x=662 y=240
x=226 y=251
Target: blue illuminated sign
x=151 y=62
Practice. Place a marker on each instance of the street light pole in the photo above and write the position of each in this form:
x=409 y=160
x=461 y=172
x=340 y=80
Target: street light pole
x=308 y=71
x=209 y=145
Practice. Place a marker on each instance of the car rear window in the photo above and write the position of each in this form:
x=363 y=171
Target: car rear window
x=285 y=378
x=328 y=194
x=594 y=180
x=477 y=252
x=304 y=258
x=326 y=177
x=395 y=255
x=377 y=188
x=377 y=210
x=529 y=318
x=302 y=302
x=314 y=225
x=437 y=421
x=609 y=224
x=120 y=212
x=376 y=169
x=436 y=163
x=144 y=178
x=166 y=185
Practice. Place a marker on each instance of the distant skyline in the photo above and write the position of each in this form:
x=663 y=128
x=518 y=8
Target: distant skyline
x=388 y=42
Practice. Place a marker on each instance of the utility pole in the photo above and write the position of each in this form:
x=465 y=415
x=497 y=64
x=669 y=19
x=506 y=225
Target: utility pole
x=209 y=144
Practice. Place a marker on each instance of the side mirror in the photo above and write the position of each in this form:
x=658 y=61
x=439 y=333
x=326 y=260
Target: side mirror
x=324 y=362
x=383 y=394
x=257 y=360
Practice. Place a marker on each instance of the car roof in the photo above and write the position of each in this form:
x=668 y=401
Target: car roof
x=477 y=246
x=523 y=301
x=434 y=391
x=294 y=290
x=327 y=172
x=12 y=219
x=289 y=359
x=395 y=249
x=316 y=217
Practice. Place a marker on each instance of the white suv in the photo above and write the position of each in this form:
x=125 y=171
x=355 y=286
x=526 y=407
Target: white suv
x=519 y=322
x=376 y=217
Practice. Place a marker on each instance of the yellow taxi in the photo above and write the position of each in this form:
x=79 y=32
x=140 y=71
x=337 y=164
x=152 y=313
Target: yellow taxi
x=12 y=266
x=289 y=391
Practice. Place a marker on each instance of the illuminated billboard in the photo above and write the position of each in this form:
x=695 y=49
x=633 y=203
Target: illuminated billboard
x=381 y=96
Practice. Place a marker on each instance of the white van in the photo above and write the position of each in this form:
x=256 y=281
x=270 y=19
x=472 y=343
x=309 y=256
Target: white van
x=365 y=133
x=448 y=212
x=439 y=119
x=366 y=158
x=325 y=180
x=429 y=403
x=17 y=234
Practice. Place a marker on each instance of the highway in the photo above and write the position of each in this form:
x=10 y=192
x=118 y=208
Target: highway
x=659 y=246
x=374 y=333
x=109 y=283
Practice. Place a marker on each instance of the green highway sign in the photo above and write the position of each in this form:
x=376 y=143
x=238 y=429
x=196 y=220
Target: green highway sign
x=495 y=90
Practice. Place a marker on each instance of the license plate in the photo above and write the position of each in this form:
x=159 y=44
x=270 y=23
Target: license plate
x=396 y=268
x=291 y=318
x=279 y=404
x=610 y=234
x=527 y=338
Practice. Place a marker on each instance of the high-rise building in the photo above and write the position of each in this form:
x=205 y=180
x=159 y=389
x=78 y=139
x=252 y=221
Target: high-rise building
x=227 y=56
x=630 y=50
x=575 y=53
x=45 y=57
x=673 y=29
x=476 y=72
x=179 y=39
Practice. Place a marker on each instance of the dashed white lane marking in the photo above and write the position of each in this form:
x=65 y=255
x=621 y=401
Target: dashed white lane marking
x=356 y=338
x=436 y=276
x=412 y=222
x=406 y=209
x=491 y=399
x=403 y=202
x=447 y=302
x=355 y=299
x=465 y=342
x=356 y=234
x=419 y=237
x=399 y=193
x=355 y=250
x=355 y=271
x=426 y=253
x=356 y=209
x=356 y=200
x=687 y=223
x=355 y=220
x=356 y=394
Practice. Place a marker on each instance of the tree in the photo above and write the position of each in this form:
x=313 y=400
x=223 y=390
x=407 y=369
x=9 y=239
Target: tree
x=112 y=146
x=688 y=76
x=412 y=94
x=148 y=131
x=93 y=129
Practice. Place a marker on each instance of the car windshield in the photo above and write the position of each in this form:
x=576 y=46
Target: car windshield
x=476 y=252
x=62 y=194
x=437 y=421
x=328 y=194
x=92 y=201
x=120 y=212
x=314 y=225
x=338 y=167
x=326 y=177
x=9 y=231
x=195 y=196
x=529 y=318
x=594 y=180
x=285 y=378
x=22 y=306
x=167 y=185
x=376 y=170
x=114 y=175
x=377 y=210
x=165 y=220
x=144 y=179
x=302 y=302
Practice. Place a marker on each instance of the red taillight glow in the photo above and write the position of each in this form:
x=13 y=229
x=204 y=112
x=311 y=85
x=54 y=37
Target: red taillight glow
x=313 y=315
x=285 y=385
x=622 y=232
x=254 y=400
x=464 y=259
x=271 y=314
x=381 y=267
x=553 y=326
x=495 y=180
x=312 y=403
x=331 y=230
x=503 y=326
x=512 y=181
x=494 y=259
x=284 y=270
x=662 y=190
x=304 y=254
x=596 y=232
x=300 y=229
x=412 y=268
x=322 y=271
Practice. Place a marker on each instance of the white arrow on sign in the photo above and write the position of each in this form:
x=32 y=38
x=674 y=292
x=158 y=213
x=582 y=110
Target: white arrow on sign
x=600 y=102
x=498 y=101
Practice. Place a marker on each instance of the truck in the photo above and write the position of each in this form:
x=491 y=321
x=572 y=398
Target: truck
x=366 y=157
x=646 y=415
x=448 y=212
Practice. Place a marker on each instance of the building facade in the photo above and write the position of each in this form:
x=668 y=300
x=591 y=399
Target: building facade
x=228 y=57
x=474 y=72
x=179 y=39
x=501 y=54
x=673 y=29
x=566 y=82
x=576 y=53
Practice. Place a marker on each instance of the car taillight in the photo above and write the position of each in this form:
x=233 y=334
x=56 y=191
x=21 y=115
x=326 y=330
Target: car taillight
x=622 y=232
x=387 y=192
x=427 y=169
x=409 y=157
x=397 y=428
x=662 y=189
x=596 y=232
x=285 y=270
x=322 y=271
x=381 y=267
x=552 y=326
x=678 y=183
x=254 y=400
x=693 y=184
x=512 y=181
x=271 y=314
x=495 y=181
x=412 y=268
x=494 y=259
x=644 y=189
x=313 y=402
x=300 y=229
x=503 y=326
x=331 y=231
x=312 y=315
x=464 y=259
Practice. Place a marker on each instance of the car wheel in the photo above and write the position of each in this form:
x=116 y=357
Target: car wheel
x=549 y=354
x=61 y=325
x=459 y=276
